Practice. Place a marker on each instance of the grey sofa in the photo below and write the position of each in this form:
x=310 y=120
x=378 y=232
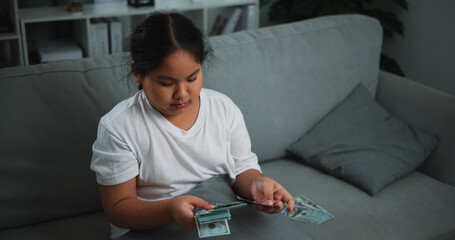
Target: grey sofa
x=284 y=78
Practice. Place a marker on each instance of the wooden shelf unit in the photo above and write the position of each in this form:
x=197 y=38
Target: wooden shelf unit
x=10 y=42
x=201 y=12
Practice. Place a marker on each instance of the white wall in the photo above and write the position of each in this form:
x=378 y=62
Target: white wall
x=426 y=53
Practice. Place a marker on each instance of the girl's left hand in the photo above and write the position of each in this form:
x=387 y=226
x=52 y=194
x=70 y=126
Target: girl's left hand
x=270 y=195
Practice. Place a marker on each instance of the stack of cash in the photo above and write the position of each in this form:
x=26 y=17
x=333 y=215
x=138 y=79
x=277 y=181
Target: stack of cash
x=307 y=211
x=214 y=222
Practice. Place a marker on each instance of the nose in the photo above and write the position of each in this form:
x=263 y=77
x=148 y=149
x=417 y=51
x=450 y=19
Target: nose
x=180 y=91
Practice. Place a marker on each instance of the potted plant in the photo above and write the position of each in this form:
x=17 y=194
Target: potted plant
x=295 y=10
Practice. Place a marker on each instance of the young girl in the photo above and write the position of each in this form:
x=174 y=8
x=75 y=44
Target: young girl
x=172 y=134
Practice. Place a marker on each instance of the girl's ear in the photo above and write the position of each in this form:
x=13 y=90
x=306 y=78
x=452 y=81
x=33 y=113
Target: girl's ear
x=137 y=77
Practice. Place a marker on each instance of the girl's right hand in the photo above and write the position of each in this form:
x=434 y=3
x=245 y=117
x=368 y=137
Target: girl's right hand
x=182 y=210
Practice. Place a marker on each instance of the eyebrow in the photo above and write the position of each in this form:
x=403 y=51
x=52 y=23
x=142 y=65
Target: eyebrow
x=173 y=79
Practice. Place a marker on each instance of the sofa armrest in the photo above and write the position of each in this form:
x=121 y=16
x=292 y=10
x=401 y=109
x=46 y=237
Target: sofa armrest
x=428 y=109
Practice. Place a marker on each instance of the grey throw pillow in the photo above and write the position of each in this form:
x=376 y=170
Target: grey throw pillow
x=360 y=142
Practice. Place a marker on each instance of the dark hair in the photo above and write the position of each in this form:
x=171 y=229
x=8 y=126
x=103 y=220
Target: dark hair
x=161 y=34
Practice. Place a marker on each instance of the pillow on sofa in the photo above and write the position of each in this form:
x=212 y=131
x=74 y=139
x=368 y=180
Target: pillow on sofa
x=360 y=142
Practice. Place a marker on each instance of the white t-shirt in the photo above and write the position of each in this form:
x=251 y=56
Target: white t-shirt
x=134 y=139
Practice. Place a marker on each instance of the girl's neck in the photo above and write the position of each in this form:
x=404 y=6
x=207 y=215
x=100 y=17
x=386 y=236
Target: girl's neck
x=188 y=118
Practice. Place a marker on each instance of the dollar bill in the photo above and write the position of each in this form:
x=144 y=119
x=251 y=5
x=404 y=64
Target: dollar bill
x=213 y=216
x=213 y=222
x=254 y=202
x=307 y=210
x=229 y=205
x=320 y=218
x=298 y=212
x=220 y=212
x=213 y=229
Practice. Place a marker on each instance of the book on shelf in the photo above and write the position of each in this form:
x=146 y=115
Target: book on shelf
x=218 y=25
x=92 y=39
x=99 y=38
x=232 y=21
x=115 y=35
x=57 y=50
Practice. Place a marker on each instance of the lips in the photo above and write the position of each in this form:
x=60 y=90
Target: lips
x=179 y=105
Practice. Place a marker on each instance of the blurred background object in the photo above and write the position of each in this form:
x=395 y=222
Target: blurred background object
x=283 y=11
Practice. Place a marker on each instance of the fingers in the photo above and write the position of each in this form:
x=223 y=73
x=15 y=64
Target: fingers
x=201 y=203
x=268 y=191
x=287 y=198
x=182 y=210
x=269 y=210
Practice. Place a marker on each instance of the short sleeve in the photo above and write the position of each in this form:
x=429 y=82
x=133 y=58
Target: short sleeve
x=112 y=160
x=240 y=142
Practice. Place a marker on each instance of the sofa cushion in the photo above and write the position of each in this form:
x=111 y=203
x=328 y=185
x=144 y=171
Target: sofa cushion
x=299 y=70
x=50 y=114
x=93 y=225
x=414 y=207
x=246 y=222
x=362 y=143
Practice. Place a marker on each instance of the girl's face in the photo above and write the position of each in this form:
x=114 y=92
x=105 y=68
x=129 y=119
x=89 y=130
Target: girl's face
x=174 y=87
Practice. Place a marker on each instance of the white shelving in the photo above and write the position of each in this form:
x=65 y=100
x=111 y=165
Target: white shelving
x=11 y=49
x=201 y=12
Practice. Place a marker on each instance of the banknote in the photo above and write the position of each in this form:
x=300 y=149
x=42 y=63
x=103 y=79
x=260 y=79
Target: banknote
x=229 y=205
x=307 y=210
x=213 y=229
x=213 y=216
x=254 y=202
x=213 y=222
x=220 y=212
x=323 y=215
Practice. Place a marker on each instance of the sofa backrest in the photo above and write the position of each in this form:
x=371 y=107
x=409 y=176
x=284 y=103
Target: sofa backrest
x=49 y=120
x=285 y=78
